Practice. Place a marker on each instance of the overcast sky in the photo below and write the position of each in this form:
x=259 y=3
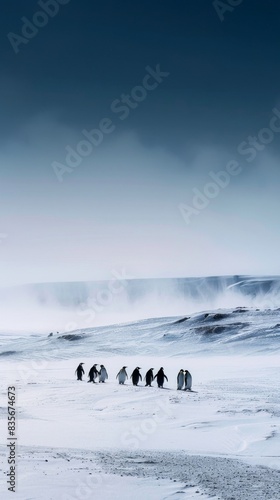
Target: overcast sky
x=194 y=89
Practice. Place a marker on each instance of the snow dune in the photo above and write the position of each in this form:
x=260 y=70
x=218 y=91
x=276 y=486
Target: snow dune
x=78 y=440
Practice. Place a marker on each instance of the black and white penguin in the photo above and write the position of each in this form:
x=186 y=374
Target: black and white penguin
x=103 y=375
x=80 y=371
x=160 y=376
x=149 y=377
x=122 y=375
x=188 y=381
x=180 y=380
x=93 y=372
x=136 y=375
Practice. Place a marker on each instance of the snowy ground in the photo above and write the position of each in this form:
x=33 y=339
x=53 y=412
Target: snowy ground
x=79 y=440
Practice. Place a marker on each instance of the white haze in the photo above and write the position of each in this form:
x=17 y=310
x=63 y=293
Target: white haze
x=119 y=209
x=22 y=310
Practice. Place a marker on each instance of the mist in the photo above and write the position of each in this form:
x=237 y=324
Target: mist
x=121 y=208
x=64 y=307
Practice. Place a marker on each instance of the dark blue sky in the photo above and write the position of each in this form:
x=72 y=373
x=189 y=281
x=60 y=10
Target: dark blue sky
x=224 y=81
x=221 y=73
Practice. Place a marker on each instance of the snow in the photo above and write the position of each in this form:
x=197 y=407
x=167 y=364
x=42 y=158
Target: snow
x=221 y=441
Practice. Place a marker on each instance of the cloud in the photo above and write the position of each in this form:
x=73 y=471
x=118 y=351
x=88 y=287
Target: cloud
x=120 y=207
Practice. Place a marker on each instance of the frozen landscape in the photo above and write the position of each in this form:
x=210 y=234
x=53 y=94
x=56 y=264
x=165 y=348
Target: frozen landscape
x=139 y=231
x=221 y=440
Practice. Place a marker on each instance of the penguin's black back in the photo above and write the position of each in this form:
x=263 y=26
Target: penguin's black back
x=149 y=377
x=135 y=376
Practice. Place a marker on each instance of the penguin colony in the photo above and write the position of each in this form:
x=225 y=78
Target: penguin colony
x=184 y=378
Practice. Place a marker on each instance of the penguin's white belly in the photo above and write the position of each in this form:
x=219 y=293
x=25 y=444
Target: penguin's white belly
x=181 y=380
x=188 y=381
x=103 y=375
x=122 y=378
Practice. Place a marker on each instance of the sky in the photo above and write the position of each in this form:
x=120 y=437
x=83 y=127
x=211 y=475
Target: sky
x=139 y=136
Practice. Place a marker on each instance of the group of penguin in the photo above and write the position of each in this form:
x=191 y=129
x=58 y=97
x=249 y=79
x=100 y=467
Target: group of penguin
x=184 y=378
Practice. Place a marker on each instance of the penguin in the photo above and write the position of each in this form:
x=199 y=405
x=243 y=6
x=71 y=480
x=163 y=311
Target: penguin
x=122 y=375
x=180 y=380
x=149 y=377
x=136 y=375
x=80 y=371
x=93 y=372
x=160 y=376
x=103 y=375
x=188 y=381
